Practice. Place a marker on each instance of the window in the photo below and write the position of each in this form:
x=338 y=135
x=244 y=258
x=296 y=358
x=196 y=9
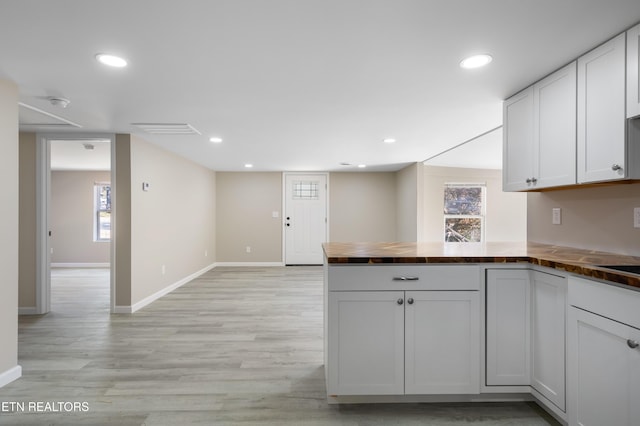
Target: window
x=102 y=211
x=464 y=210
x=305 y=190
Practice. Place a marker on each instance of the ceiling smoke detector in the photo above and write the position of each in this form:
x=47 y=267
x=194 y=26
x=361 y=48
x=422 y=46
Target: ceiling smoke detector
x=88 y=146
x=59 y=102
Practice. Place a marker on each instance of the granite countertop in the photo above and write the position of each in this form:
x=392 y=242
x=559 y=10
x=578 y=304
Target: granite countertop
x=577 y=261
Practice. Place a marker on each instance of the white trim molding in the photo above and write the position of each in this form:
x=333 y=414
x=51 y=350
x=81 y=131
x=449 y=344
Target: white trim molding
x=157 y=295
x=10 y=375
x=28 y=310
x=80 y=265
x=260 y=264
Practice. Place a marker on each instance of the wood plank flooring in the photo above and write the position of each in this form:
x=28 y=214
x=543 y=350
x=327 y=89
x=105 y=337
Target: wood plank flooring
x=237 y=346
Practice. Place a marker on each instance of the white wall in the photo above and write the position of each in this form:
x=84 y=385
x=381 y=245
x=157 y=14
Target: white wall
x=9 y=369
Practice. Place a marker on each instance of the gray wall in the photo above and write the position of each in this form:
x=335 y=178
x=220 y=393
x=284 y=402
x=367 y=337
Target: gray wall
x=9 y=207
x=594 y=218
x=72 y=218
x=27 y=244
x=172 y=224
x=362 y=207
x=245 y=203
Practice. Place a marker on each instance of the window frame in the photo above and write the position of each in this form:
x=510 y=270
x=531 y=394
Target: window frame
x=98 y=210
x=481 y=216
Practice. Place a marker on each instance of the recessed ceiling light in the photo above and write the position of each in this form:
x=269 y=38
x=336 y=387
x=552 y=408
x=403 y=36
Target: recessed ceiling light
x=111 y=60
x=362 y=166
x=215 y=140
x=248 y=166
x=389 y=140
x=476 y=61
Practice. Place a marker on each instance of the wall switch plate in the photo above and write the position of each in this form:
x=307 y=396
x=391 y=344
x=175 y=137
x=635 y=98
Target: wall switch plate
x=275 y=214
x=556 y=216
x=636 y=217
x=248 y=249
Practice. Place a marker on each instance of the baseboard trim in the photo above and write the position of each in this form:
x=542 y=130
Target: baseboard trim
x=10 y=375
x=28 y=310
x=80 y=265
x=155 y=296
x=268 y=264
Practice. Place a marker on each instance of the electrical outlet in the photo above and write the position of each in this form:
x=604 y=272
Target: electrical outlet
x=636 y=217
x=248 y=249
x=556 y=216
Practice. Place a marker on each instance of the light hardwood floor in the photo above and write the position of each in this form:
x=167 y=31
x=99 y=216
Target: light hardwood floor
x=237 y=346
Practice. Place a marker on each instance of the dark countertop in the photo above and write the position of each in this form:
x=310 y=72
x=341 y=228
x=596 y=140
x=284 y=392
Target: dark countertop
x=577 y=261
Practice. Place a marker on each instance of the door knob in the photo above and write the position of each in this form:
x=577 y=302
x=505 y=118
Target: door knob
x=410 y=300
x=632 y=344
x=400 y=301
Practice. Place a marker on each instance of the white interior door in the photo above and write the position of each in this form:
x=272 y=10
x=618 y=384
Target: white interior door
x=305 y=218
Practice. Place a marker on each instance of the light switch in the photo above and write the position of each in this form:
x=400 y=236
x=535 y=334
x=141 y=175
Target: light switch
x=556 y=216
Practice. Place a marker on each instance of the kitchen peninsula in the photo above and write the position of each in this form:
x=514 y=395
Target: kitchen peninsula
x=427 y=322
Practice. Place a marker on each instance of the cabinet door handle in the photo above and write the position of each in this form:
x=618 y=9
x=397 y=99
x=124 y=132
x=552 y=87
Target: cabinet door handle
x=410 y=300
x=406 y=278
x=616 y=167
x=400 y=301
x=632 y=344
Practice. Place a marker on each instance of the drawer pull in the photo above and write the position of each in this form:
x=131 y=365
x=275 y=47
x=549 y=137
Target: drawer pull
x=632 y=344
x=406 y=278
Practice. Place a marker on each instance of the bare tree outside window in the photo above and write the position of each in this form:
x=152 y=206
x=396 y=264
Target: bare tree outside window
x=464 y=213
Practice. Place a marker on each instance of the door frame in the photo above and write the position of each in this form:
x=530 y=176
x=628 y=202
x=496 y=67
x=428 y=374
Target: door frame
x=43 y=214
x=284 y=207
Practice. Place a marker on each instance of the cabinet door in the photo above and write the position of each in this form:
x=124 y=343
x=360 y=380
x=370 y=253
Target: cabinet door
x=604 y=371
x=548 y=326
x=633 y=72
x=554 y=129
x=508 y=328
x=366 y=343
x=517 y=149
x=601 y=113
x=442 y=342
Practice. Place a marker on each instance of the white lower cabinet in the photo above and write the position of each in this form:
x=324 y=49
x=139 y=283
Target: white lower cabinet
x=508 y=327
x=548 y=334
x=606 y=371
x=403 y=342
x=366 y=337
x=603 y=355
x=525 y=332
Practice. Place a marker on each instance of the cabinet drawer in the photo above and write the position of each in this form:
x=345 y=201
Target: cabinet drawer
x=403 y=277
x=618 y=304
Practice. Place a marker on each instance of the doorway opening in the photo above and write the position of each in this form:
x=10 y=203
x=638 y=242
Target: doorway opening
x=76 y=217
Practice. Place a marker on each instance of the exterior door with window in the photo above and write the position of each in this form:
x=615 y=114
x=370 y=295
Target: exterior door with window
x=305 y=218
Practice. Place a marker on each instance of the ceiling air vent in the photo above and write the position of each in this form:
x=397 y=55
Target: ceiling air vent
x=167 y=128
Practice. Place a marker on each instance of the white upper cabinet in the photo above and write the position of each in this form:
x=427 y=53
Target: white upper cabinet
x=601 y=113
x=517 y=149
x=554 y=128
x=633 y=72
x=539 y=134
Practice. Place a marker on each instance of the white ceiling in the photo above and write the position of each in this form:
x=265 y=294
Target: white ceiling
x=294 y=84
x=85 y=154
